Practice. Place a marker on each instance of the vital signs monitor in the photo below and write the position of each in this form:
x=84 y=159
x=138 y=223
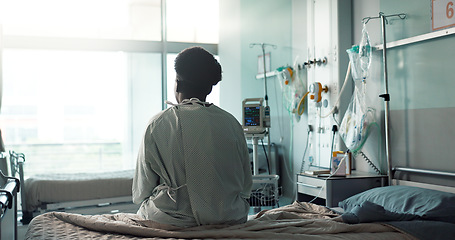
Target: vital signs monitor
x=253 y=115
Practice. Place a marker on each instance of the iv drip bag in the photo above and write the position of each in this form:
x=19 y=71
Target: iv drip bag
x=364 y=53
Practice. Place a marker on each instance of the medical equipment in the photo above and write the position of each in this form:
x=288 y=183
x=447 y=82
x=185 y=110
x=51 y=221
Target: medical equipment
x=364 y=53
x=292 y=88
x=264 y=191
x=386 y=95
x=254 y=116
x=266 y=97
x=263 y=46
x=316 y=90
x=355 y=123
x=302 y=165
x=358 y=117
x=353 y=54
x=355 y=127
x=360 y=57
x=286 y=73
x=255 y=122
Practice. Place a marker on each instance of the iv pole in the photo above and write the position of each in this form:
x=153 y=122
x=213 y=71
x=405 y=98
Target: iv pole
x=386 y=95
x=263 y=45
x=266 y=97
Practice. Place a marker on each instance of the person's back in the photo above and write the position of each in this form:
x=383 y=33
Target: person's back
x=193 y=167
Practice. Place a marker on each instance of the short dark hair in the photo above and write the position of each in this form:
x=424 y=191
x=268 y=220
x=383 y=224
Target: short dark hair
x=198 y=68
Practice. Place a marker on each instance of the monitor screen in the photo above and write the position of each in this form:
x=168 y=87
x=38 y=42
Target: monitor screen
x=252 y=116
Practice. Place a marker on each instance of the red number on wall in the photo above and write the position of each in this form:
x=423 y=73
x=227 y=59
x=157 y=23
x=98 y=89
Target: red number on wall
x=449 y=10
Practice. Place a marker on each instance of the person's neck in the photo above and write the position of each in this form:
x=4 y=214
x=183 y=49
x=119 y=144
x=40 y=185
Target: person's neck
x=183 y=97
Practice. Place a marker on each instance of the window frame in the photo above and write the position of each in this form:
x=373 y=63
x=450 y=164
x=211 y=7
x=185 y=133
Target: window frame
x=111 y=45
x=162 y=47
x=86 y=44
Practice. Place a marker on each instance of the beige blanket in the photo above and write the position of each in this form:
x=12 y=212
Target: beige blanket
x=295 y=221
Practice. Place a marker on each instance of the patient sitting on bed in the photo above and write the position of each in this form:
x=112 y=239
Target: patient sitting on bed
x=193 y=166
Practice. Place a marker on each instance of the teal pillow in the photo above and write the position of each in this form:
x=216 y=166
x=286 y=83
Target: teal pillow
x=423 y=203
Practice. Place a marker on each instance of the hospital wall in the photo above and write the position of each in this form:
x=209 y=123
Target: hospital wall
x=421 y=82
x=257 y=21
x=420 y=76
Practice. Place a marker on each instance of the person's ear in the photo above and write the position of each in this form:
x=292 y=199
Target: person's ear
x=179 y=86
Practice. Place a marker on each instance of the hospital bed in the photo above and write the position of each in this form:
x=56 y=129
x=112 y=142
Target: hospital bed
x=83 y=193
x=398 y=211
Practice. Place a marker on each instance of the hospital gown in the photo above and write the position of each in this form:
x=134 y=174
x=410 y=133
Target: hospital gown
x=193 y=167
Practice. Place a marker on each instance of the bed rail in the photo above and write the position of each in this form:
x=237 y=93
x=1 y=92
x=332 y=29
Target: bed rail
x=438 y=187
x=8 y=206
x=17 y=161
x=423 y=171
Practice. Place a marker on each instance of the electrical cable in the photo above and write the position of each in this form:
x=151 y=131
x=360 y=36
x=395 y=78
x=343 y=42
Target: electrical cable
x=280 y=124
x=334 y=130
x=376 y=169
x=331 y=175
x=266 y=157
x=348 y=72
x=304 y=151
x=302 y=104
x=335 y=119
x=288 y=165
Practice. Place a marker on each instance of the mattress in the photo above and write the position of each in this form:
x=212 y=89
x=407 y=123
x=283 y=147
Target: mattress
x=53 y=188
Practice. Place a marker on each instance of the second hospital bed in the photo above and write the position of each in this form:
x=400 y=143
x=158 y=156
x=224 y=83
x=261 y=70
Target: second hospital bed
x=84 y=193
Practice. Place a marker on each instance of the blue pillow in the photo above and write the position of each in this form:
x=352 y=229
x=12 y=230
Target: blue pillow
x=422 y=203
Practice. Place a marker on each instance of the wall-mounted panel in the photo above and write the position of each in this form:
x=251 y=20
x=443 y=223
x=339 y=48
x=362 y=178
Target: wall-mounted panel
x=329 y=36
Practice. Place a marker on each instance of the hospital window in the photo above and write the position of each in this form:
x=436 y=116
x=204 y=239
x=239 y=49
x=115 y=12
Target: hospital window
x=78 y=92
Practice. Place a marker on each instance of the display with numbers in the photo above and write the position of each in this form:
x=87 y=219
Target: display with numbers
x=443 y=12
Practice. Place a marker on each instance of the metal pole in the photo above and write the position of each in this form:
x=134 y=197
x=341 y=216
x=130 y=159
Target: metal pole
x=255 y=156
x=163 y=54
x=386 y=102
x=265 y=75
x=266 y=97
x=424 y=171
x=269 y=150
x=386 y=95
